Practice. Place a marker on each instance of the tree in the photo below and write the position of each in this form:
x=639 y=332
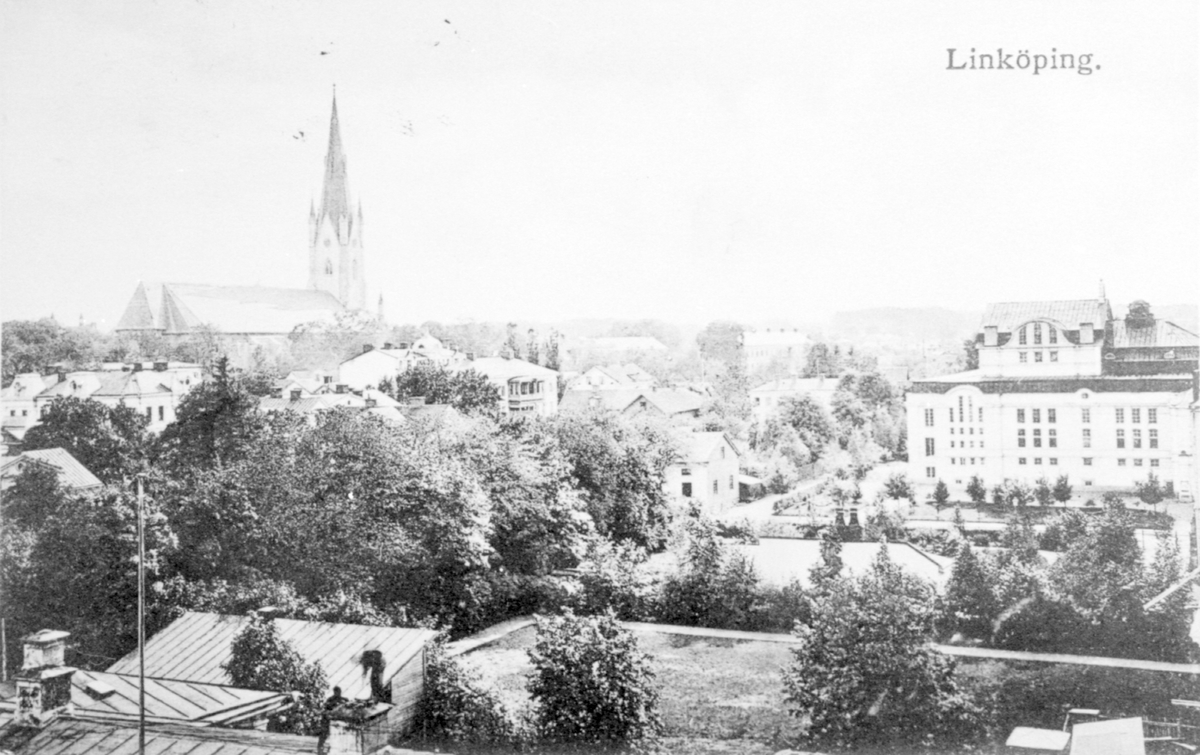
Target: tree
x=216 y=423
x=261 y=659
x=591 y=682
x=1042 y=492
x=111 y=442
x=998 y=496
x=32 y=345
x=1062 y=489
x=810 y=420
x=467 y=391
x=532 y=352
x=512 y=342
x=897 y=487
x=976 y=490
x=712 y=587
x=553 y=361
x=1150 y=492
x=863 y=670
x=971 y=606
x=940 y=497
x=970 y=354
x=457 y=707
x=1020 y=538
x=1018 y=494
x=721 y=340
x=830 y=568
x=79 y=572
x=822 y=361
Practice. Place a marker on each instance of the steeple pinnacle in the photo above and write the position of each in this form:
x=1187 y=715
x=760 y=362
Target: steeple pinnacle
x=335 y=201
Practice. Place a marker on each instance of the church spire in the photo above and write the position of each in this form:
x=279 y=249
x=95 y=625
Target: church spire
x=335 y=201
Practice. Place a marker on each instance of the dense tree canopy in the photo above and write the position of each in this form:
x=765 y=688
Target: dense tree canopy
x=111 y=442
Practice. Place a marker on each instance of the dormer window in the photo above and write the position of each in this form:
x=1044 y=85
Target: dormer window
x=1053 y=334
x=1022 y=336
x=1037 y=333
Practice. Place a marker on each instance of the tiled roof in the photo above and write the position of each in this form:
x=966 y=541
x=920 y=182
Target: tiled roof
x=309 y=404
x=194 y=646
x=167 y=700
x=669 y=401
x=140 y=383
x=1162 y=334
x=71 y=473
x=72 y=736
x=674 y=401
x=1007 y=316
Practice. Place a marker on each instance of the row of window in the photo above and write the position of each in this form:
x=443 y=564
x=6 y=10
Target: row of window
x=149 y=413
x=686 y=488
x=1035 y=415
x=1023 y=334
x=1023 y=356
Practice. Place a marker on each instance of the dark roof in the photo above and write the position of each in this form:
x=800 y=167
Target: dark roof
x=668 y=400
x=234 y=309
x=138 y=315
x=72 y=736
x=1159 y=334
x=71 y=473
x=194 y=646
x=114 y=697
x=1007 y=316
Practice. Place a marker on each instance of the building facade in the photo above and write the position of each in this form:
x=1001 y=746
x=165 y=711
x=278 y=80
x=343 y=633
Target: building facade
x=706 y=473
x=784 y=347
x=1062 y=388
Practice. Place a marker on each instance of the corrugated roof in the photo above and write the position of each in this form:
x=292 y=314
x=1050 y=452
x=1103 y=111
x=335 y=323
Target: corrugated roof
x=194 y=646
x=1007 y=316
x=167 y=700
x=72 y=736
x=71 y=473
x=1162 y=334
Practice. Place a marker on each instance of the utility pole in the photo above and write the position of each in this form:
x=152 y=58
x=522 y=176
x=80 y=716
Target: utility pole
x=141 y=615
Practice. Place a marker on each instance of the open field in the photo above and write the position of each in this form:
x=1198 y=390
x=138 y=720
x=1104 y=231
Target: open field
x=710 y=688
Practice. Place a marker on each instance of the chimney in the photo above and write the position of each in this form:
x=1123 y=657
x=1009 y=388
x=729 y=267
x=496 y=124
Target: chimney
x=160 y=366
x=43 y=683
x=295 y=394
x=1086 y=334
x=269 y=613
x=371 y=403
x=471 y=356
x=327 y=379
x=402 y=345
x=339 y=388
x=62 y=376
x=991 y=335
x=358 y=727
x=387 y=344
x=368 y=347
x=135 y=367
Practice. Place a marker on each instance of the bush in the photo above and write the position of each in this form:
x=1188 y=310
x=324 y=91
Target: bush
x=591 y=682
x=1043 y=625
x=457 y=709
x=261 y=659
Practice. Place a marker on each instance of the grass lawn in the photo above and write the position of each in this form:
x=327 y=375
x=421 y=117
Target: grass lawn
x=716 y=696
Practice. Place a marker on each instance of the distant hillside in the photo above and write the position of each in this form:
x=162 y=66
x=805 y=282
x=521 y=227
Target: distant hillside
x=1183 y=315
x=932 y=323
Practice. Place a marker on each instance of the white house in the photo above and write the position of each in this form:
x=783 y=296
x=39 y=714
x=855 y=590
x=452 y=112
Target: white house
x=787 y=347
x=1063 y=388
x=368 y=369
x=706 y=472
x=525 y=388
x=766 y=397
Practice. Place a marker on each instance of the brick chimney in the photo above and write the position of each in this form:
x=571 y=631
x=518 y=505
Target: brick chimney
x=358 y=728
x=43 y=683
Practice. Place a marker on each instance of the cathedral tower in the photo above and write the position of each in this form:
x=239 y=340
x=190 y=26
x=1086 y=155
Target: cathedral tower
x=335 y=255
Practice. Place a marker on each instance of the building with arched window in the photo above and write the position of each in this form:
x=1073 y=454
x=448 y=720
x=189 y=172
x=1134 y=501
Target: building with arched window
x=1062 y=388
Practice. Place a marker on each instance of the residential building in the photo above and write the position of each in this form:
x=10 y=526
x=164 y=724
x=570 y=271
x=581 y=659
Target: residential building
x=786 y=348
x=72 y=475
x=672 y=403
x=765 y=398
x=361 y=660
x=369 y=368
x=525 y=388
x=706 y=473
x=152 y=389
x=1063 y=388
x=613 y=377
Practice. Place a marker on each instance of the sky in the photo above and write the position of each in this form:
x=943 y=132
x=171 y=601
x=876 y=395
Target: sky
x=687 y=161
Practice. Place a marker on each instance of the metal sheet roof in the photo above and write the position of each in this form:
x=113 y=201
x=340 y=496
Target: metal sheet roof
x=1162 y=334
x=72 y=736
x=71 y=473
x=194 y=647
x=167 y=700
x=1007 y=316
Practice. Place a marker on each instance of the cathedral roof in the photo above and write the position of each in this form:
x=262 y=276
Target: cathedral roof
x=184 y=307
x=138 y=315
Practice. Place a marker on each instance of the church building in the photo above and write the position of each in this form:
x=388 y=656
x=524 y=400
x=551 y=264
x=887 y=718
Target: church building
x=1062 y=388
x=258 y=314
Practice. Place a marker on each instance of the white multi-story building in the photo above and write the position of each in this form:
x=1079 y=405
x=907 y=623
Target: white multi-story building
x=786 y=347
x=1062 y=388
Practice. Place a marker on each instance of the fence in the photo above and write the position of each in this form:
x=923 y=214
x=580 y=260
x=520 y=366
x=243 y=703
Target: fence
x=1174 y=729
